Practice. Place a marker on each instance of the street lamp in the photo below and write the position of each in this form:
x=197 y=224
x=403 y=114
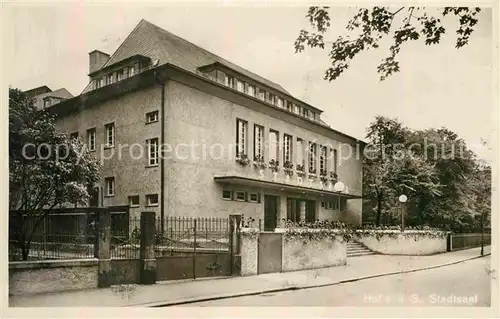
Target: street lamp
x=339 y=188
x=402 y=200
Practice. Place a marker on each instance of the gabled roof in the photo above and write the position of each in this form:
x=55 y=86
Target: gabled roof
x=59 y=94
x=156 y=43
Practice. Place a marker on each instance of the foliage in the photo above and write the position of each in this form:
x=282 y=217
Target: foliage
x=317 y=230
x=369 y=26
x=46 y=168
x=446 y=185
x=242 y=159
x=259 y=162
x=274 y=165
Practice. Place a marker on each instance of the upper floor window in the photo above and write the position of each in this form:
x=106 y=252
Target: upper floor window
x=241 y=137
x=335 y=160
x=261 y=95
x=270 y=98
x=110 y=134
x=322 y=160
x=287 y=148
x=110 y=186
x=251 y=90
x=91 y=139
x=296 y=109
x=152 y=117
x=305 y=112
x=100 y=82
x=73 y=136
x=229 y=81
x=109 y=79
x=119 y=75
x=312 y=157
x=280 y=102
x=300 y=153
x=273 y=145
x=289 y=106
x=153 y=151
x=131 y=71
x=239 y=86
x=258 y=142
x=46 y=103
x=152 y=200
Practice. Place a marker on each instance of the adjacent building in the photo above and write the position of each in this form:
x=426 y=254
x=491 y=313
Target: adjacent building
x=44 y=97
x=184 y=132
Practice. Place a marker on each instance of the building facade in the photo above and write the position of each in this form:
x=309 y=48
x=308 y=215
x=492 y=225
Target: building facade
x=183 y=132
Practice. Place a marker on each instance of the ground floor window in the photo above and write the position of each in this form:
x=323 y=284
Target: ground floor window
x=293 y=209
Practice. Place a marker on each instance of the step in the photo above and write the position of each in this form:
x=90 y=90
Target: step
x=361 y=254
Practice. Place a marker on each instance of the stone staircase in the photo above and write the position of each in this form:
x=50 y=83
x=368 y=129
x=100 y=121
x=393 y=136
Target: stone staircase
x=356 y=249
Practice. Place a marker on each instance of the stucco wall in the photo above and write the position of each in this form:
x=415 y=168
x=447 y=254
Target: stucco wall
x=128 y=112
x=51 y=276
x=209 y=121
x=249 y=253
x=299 y=253
x=409 y=242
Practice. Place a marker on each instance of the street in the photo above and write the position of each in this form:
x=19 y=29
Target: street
x=463 y=284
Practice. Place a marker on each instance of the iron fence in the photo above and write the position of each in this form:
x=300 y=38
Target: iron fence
x=59 y=236
x=468 y=240
x=187 y=234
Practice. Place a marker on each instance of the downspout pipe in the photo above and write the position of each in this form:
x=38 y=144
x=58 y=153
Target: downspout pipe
x=161 y=83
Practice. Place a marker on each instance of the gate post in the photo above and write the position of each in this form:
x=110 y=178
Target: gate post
x=147 y=252
x=103 y=251
x=234 y=239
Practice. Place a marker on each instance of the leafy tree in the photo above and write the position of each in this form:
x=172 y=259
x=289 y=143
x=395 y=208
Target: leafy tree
x=46 y=169
x=369 y=27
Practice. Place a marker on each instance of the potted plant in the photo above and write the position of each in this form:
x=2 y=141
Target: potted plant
x=300 y=170
x=323 y=175
x=288 y=168
x=243 y=159
x=274 y=165
x=258 y=162
x=333 y=177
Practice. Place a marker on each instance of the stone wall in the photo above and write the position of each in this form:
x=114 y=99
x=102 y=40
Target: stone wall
x=32 y=277
x=249 y=251
x=409 y=242
x=304 y=253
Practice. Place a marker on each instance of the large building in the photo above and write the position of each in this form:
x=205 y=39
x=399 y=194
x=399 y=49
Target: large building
x=232 y=142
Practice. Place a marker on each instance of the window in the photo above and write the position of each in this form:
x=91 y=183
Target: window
x=91 y=139
x=229 y=81
x=323 y=204
x=251 y=90
x=258 y=141
x=110 y=135
x=109 y=79
x=133 y=201
x=152 y=200
x=330 y=205
x=270 y=98
x=287 y=148
x=254 y=197
x=296 y=109
x=240 y=196
x=119 y=75
x=322 y=159
x=73 y=136
x=313 y=116
x=110 y=186
x=262 y=95
x=273 y=145
x=100 y=82
x=126 y=71
x=131 y=71
x=335 y=160
x=152 y=117
x=305 y=112
x=227 y=195
x=153 y=151
x=300 y=153
x=312 y=158
x=46 y=103
x=289 y=106
x=241 y=137
x=280 y=102
x=239 y=86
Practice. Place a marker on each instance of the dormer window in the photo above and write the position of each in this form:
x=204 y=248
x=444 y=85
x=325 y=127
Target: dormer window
x=109 y=79
x=131 y=71
x=289 y=106
x=46 y=103
x=119 y=75
x=229 y=81
x=239 y=86
x=280 y=102
x=251 y=90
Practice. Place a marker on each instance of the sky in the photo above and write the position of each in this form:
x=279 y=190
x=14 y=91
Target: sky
x=437 y=85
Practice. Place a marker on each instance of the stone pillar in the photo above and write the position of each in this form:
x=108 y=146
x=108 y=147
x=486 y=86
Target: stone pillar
x=302 y=210
x=234 y=242
x=104 y=246
x=147 y=252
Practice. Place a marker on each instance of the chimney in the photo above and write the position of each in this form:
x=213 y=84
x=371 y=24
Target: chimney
x=96 y=60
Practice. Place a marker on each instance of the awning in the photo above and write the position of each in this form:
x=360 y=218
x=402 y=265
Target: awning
x=253 y=182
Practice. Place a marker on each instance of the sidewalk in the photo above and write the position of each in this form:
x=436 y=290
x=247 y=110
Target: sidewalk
x=172 y=293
